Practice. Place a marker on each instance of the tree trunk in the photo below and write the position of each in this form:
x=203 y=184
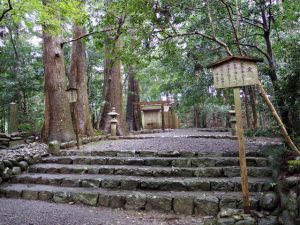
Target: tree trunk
x=284 y=112
x=78 y=79
x=253 y=106
x=58 y=123
x=112 y=89
x=132 y=113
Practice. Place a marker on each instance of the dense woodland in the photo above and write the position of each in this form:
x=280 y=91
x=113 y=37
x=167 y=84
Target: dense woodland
x=116 y=52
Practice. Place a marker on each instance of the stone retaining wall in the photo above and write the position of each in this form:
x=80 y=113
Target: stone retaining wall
x=10 y=168
x=14 y=139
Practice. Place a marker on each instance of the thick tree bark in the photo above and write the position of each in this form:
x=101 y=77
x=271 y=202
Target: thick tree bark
x=133 y=113
x=58 y=123
x=78 y=79
x=112 y=89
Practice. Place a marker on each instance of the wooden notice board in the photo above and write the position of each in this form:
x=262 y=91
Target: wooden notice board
x=235 y=71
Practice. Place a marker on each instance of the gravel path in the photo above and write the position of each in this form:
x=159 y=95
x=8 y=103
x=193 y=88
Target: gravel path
x=24 y=212
x=180 y=140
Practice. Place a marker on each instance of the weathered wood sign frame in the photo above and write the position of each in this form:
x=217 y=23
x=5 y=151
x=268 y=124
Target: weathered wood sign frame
x=237 y=71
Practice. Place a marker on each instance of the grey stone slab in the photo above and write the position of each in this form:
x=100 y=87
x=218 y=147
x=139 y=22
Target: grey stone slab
x=135 y=201
x=159 y=203
x=30 y=195
x=117 y=201
x=45 y=195
x=86 y=198
x=183 y=206
x=108 y=183
x=206 y=205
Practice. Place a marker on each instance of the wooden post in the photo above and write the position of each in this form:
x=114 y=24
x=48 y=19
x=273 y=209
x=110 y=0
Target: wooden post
x=162 y=117
x=242 y=154
x=277 y=118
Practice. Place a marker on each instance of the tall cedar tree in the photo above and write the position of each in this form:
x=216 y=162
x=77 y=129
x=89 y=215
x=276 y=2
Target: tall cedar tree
x=78 y=79
x=112 y=90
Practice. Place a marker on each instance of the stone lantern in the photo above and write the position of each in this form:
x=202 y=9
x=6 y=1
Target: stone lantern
x=232 y=120
x=113 y=122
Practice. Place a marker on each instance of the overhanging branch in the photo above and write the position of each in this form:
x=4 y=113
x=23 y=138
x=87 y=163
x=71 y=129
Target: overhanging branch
x=7 y=10
x=88 y=34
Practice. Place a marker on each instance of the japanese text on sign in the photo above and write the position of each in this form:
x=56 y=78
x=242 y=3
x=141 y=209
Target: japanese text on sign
x=235 y=74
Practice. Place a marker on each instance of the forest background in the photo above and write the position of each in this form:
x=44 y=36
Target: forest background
x=116 y=52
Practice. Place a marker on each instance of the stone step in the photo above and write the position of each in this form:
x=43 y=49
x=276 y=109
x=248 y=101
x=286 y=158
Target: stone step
x=151 y=153
x=198 y=203
x=212 y=161
x=146 y=183
x=155 y=171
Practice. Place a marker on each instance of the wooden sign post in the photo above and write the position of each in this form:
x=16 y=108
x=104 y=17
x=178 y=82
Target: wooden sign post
x=236 y=72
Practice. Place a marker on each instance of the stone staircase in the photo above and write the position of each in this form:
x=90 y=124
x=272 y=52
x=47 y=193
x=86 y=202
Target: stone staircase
x=180 y=182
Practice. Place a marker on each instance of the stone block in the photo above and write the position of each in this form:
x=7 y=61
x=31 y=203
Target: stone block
x=183 y=206
x=6 y=173
x=208 y=172
x=159 y=203
x=8 y=163
x=106 y=171
x=172 y=185
x=129 y=184
x=62 y=197
x=2 y=166
x=206 y=205
x=269 y=201
x=37 y=158
x=182 y=163
x=227 y=202
x=14 y=162
x=198 y=185
x=23 y=165
x=150 y=185
x=95 y=161
x=135 y=201
x=157 y=162
x=69 y=182
x=225 y=221
x=93 y=171
x=16 y=170
x=203 y=162
x=222 y=185
x=182 y=172
x=246 y=222
x=45 y=195
x=117 y=201
x=29 y=160
x=82 y=161
x=54 y=148
x=30 y=195
x=270 y=220
x=13 y=193
x=91 y=183
x=86 y=198
x=108 y=183
x=104 y=200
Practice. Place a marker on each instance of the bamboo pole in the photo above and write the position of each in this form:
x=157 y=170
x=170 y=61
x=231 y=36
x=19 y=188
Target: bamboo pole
x=242 y=154
x=277 y=118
